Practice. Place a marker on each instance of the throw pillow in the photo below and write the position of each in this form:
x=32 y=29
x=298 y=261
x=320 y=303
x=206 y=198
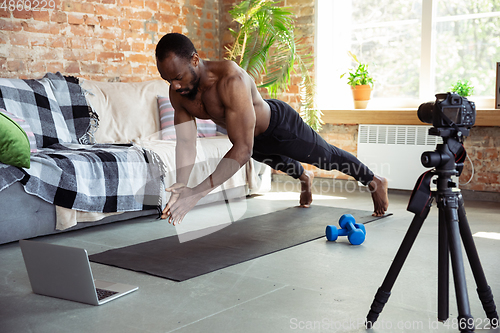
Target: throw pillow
x=205 y=127
x=14 y=144
x=127 y=111
x=25 y=126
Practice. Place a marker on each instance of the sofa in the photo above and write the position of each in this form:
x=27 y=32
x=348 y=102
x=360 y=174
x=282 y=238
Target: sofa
x=98 y=152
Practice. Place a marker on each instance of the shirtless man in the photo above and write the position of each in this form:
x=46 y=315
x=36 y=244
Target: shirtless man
x=270 y=131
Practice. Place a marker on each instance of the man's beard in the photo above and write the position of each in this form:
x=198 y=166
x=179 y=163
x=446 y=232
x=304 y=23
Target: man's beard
x=191 y=95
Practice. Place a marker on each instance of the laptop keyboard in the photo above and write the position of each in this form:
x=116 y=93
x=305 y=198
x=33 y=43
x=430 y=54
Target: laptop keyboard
x=102 y=294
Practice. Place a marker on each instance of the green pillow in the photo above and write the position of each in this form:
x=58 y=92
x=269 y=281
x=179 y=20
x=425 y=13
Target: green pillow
x=14 y=143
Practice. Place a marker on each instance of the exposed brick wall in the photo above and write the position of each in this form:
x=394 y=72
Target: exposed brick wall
x=304 y=29
x=105 y=40
x=226 y=22
x=114 y=40
x=483 y=147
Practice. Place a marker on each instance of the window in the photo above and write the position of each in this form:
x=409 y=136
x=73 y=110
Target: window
x=415 y=49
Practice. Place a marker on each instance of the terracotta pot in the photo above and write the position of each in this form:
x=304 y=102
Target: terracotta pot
x=361 y=95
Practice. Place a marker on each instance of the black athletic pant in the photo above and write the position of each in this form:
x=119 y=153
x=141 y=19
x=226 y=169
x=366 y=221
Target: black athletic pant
x=289 y=140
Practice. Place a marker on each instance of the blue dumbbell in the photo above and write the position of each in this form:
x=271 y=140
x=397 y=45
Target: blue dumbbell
x=355 y=232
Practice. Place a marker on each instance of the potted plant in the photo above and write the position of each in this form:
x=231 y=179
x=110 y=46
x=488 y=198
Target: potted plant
x=265 y=45
x=463 y=88
x=361 y=83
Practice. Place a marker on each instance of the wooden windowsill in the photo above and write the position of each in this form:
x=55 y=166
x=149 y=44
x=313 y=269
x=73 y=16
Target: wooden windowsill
x=484 y=117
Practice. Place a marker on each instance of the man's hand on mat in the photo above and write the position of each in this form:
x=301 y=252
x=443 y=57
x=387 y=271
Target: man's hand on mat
x=173 y=198
x=182 y=200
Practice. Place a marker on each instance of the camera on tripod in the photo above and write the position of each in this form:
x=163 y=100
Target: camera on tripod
x=452 y=117
x=448 y=110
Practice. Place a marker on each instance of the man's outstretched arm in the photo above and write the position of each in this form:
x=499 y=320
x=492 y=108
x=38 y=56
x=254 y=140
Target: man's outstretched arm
x=185 y=150
x=185 y=153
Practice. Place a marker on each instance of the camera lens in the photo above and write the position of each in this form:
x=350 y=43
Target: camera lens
x=424 y=112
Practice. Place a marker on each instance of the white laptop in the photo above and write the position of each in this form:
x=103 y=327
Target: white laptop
x=64 y=272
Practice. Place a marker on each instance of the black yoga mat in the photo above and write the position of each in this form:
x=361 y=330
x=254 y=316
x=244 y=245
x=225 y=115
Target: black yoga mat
x=238 y=242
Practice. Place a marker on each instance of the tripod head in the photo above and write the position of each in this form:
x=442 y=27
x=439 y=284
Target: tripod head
x=449 y=155
x=446 y=161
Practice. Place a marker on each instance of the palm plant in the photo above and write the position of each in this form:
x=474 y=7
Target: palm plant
x=266 y=48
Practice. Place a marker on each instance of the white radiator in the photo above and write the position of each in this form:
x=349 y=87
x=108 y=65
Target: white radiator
x=393 y=151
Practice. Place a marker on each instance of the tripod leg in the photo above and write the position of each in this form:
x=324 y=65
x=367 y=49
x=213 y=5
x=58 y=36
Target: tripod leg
x=465 y=319
x=383 y=293
x=483 y=289
x=443 y=269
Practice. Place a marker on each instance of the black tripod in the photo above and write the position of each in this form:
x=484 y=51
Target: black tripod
x=453 y=225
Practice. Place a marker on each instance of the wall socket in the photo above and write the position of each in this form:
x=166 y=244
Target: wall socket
x=497 y=90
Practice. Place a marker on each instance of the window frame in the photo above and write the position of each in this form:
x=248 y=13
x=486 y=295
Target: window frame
x=427 y=74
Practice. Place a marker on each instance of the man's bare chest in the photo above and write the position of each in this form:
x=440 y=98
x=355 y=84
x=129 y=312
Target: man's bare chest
x=205 y=107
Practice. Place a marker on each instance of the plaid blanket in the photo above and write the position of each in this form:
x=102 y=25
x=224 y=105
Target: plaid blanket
x=95 y=178
x=54 y=107
x=65 y=172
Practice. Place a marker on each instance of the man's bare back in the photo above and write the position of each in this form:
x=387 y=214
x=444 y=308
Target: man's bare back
x=225 y=93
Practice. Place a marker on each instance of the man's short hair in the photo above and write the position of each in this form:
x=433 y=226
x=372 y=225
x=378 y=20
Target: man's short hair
x=177 y=44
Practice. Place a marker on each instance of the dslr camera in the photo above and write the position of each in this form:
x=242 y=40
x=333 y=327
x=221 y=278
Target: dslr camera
x=449 y=110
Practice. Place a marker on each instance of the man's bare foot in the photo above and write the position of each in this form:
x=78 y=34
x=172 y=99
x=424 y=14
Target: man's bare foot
x=378 y=188
x=306 y=180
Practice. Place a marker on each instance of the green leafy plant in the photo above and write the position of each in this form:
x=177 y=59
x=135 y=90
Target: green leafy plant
x=308 y=111
x=267 y=49
x=359 y=75
x=463 y=88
